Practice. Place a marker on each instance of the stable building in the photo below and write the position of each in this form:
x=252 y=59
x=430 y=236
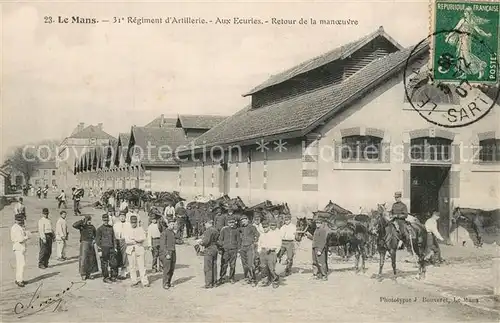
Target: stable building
x=339 y=127
x=145 y=157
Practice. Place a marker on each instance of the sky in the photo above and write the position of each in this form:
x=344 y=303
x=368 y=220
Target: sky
x=54 y=76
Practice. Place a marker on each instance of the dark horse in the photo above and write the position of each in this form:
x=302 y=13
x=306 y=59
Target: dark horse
x=387 y=241
x=355 y=236
x=479 y=221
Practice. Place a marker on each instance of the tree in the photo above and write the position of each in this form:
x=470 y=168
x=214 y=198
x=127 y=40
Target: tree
x=24 y=161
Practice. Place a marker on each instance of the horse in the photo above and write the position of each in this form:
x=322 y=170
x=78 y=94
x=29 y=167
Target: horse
x=479 y=220
x=342 y=234
x=387 y=241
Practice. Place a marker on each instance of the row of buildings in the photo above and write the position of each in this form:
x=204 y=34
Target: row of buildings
x=337 y=127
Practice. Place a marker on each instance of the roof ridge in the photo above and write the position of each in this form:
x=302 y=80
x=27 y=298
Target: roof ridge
x=304 y=67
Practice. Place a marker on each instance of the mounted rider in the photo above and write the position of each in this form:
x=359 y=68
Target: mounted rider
x=399 y=212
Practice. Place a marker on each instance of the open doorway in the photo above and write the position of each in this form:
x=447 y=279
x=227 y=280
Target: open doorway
x=430 y=191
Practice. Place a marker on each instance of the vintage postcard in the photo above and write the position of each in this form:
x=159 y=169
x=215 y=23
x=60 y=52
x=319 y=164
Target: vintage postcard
x=250 y=161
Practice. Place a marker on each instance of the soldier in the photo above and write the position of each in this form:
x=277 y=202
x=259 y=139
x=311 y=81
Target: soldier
x=153 y=242
x=288 y=232
x=209 y=241
x=119 y=228
x=190 y=221
x=106 y=244
x=432 y=236
x=61 y=236
x=399 y=212
x=20 y=208
x=19 y=235
x=248 y=244
x=269 y=243
x=229 y=240
x=135 y=238
x=168 y=254
x=46 y=237
x=320 y=249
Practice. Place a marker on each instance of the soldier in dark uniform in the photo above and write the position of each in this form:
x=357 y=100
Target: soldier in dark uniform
x=320 y=249
x=210 y=242
x=248 y=244
x=229 y=241
x=167 y=253
x=399 y=212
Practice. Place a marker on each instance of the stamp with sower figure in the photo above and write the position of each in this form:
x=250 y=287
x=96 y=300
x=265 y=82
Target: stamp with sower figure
x=454 y=88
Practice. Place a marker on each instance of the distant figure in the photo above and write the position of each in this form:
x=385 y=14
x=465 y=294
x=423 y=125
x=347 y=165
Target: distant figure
x=45 y=191
x=20 y=208
x=76 y=196
x=169 y=212
x=19 y=235
x=61 y=236
x=39 y=192
x=111 y=205
x=88 y=258
x=399 y=212
x=61 y=199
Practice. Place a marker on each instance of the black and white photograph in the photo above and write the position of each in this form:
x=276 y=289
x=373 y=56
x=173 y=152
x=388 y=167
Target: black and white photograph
x=250 y=161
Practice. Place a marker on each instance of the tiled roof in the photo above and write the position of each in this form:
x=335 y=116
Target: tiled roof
x=167 y=122
x=341 y=52
x=163 y=143
x=92 y=132
x=46 y=165
x=299 y=115
x=200 y=121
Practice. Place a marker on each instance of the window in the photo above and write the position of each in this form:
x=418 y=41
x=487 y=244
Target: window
x=489 y=150
x=430 y=149
x=361 y=148
x=45 y=172
x=53 y=173
x=53 y=182
x=37 y=182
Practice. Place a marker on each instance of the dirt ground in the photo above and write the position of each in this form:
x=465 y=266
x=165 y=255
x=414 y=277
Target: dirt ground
x=458 y=291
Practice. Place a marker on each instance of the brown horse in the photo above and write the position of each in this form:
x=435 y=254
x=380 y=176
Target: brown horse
x=342 y=234
x=387 y=241
x=479 y=221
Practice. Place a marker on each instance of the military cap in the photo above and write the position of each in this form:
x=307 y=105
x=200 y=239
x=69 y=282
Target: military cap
x=105 y=216
x=398 y=194
x=231 y=220
x=133 y=218
x=19 y=217
x=210 y=222
x=45 y=211
x=170 y=220
x=265 y=224
x=288 y=216
x=273 y=223
x=243 y=216
x=87 y=217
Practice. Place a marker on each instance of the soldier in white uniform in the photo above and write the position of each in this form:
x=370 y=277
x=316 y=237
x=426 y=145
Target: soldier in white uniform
x=19 y=236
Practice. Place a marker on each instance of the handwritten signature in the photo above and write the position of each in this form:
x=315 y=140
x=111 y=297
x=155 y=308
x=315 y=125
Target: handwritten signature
x=35 y=306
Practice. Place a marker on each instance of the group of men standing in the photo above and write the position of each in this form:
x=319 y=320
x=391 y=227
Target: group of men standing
x=259 y=246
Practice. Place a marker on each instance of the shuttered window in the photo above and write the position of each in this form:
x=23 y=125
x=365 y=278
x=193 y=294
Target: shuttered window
x=489 y=150
x=361 y=148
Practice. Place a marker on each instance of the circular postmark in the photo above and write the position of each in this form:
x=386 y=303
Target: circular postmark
x=455 y=102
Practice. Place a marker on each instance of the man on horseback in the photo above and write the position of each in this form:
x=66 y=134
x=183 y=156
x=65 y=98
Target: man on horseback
x=399 y=212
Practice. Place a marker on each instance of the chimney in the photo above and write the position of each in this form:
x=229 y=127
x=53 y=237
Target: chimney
x=162 y=120
x=99 y=125
x=80 y=127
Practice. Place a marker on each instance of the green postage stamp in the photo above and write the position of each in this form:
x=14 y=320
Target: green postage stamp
x=465 y=41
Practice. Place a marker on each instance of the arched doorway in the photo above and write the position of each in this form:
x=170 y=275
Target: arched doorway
x=430 y=189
